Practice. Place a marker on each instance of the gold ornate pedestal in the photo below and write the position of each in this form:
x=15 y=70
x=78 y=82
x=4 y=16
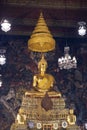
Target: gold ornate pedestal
x=40 y=115
x=18 y=127
x=73 y=127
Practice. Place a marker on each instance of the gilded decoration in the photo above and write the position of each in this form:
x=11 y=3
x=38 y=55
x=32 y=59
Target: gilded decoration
x=43 y=107
x=41 y=39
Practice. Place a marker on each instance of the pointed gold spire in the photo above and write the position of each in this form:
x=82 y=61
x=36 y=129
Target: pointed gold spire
x=41 y=39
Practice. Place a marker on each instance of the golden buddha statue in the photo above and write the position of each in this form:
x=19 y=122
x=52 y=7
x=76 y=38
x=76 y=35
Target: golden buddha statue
x=71 y=117
x=43 y=81
x=21 y=117
x=43 y=109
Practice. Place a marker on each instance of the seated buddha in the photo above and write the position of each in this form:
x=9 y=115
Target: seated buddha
x=21 y=117
x=43 y=81
x=71 y=117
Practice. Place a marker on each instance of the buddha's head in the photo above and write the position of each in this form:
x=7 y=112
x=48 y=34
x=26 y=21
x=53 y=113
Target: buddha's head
x=42 y=65
x=71 y=111
x=21 y=111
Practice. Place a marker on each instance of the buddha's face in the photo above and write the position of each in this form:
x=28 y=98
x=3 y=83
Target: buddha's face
x=21 y=111
x=42 y=65
x=71 y=111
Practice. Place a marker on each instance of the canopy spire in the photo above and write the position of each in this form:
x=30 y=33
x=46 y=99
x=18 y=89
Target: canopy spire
x=41 y=39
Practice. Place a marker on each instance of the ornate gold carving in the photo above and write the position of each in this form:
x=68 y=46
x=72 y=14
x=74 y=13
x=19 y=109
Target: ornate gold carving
x=34 y=111
x=71 y=117
x=41 y=39
x=21 y=117
x=43 y=107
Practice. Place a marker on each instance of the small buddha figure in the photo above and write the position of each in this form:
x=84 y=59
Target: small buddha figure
x=71 y=117
x=21 y=117
x=43 y=81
